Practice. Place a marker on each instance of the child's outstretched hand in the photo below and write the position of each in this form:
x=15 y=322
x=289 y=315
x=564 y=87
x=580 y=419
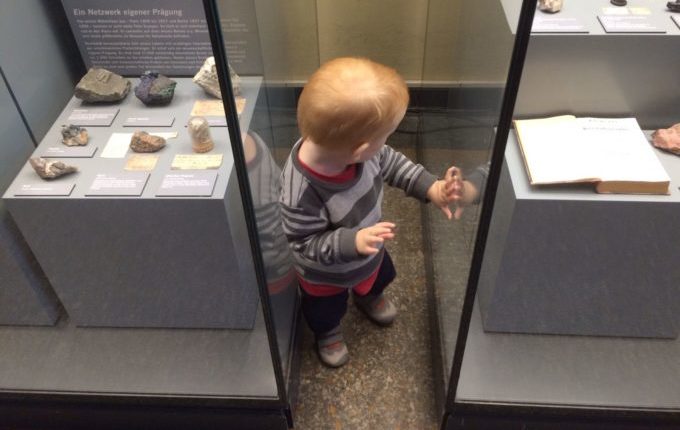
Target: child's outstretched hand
x=369 y=238
x=448 y=190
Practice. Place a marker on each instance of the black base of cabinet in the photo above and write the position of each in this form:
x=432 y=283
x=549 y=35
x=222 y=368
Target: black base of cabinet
x=568 y=421
x=49 y=416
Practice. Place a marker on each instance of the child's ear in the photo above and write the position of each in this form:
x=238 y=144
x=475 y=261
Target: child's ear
x=359 y=151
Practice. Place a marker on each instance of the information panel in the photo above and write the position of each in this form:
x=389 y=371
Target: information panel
x=130 y=37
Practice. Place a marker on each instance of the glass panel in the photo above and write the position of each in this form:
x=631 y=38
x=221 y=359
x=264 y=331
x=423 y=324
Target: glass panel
x=132 y=273
x=578 y=295
x=255 y=35
x=466 y=63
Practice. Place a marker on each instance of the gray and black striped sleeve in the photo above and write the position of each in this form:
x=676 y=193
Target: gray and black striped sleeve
x=398 y=171
x=478 y=179
x=307 y=227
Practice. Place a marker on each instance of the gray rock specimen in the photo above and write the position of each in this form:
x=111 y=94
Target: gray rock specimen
x=51 y=169
x=199 y=130
x=144 y=142
x=72 y=135
x=155 y=89
x=550 y=6
x=673 y=6
x=619 y=2
x=206 y=78
x=668 y=139
x=102 y=86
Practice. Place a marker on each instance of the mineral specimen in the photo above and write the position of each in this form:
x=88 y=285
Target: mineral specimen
x=51 y=169
x=144 y=142
x=199 y=130
x=673 y=6
x=206 y=78
x=155 y=89
x=550 y=6
x=668 y=139
x=101 y=86
x=72 y=135
x=619 y=2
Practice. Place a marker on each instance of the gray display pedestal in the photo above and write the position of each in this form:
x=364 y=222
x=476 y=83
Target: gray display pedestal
x=565 y=260
x=599 y=73
x=25 y=295
x=144 y=261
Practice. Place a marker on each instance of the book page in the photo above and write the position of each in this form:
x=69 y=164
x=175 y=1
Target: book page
x=621 y=151
x=554 y=150
x=566 y=149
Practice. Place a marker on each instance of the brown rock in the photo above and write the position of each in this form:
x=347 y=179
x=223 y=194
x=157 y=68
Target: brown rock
x=102 y=86
x=199 y=130
x=144 y=142
x=668 y=139
x=550 y=6
x=51 y=169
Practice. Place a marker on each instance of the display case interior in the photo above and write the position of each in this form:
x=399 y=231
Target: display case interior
x=128 y=223
x=576 y=304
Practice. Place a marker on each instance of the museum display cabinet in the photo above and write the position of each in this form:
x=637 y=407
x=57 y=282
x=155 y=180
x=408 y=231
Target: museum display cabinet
x=145 y=278
x=570 y=318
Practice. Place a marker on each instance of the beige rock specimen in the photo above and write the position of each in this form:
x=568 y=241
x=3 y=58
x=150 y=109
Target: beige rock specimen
x=101 y=86
x=72 y=135
x=550 y=6
x=199 y=130
x=144 y=142
x=206 y=78
x=668 y=139
x=51 y=169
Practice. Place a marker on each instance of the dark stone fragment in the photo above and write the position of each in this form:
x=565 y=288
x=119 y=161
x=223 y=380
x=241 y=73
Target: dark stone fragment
x=155 y=89
x=673 y=6
x=619 y=2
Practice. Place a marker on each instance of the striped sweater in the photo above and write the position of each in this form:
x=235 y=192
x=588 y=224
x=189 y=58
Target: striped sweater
x=321 y=219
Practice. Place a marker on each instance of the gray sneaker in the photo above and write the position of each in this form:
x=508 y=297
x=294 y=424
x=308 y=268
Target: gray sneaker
x=332 y=348
x=378 y=309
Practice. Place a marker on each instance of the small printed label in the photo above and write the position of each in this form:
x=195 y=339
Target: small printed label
x=149 y=121
x=195 y=184
x=61 y=151
x=102 y=117
x=46 y=189
x=120 y=184
x=553 y=24
x=628 y=24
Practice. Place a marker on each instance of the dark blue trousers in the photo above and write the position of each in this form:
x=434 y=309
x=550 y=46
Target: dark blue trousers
x=324 y=313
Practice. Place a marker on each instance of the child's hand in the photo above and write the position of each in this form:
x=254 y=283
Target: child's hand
x=448 y=190
x=368 y=238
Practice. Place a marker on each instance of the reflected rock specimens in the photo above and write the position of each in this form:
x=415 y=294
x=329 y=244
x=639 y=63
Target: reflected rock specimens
x=144 y=142
x=668 y=139
x=206 y=78
x=72 y=135
x=199 y=130
x=550 y=6
x=155 y=89
x=51 y=169
x=102 y=86
x=673 y=6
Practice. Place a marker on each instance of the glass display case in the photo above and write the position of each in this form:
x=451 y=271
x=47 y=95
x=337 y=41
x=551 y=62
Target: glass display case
x=570 y=317
x=145 y=279
x=144 y=273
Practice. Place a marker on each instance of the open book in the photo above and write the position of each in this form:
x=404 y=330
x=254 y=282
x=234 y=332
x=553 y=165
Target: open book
x=613 y=153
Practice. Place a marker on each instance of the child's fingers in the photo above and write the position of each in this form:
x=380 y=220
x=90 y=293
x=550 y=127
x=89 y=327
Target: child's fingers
x=387 y=235
x=458 y=213
x=452 y=173
x=446 y=211
x=385 y=224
